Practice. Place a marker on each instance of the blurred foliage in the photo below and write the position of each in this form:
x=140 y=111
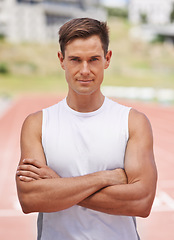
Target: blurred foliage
x=117 y=12
x=172 y=14
x=159 y=39
x=143 y=18
x=35 y=67
x=2 y=37
x=3 y=68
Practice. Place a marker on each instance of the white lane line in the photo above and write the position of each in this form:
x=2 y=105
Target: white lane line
x=13 y=213
x=15 y=203
x=163 y=203
x=5 y=104
x=6 y=157
x=10 y=213
x=7 y=154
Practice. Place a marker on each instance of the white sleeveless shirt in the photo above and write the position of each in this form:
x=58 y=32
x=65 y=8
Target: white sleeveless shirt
x=78 y=143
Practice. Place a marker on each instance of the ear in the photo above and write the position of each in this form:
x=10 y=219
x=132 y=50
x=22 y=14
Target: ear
x=61 y=59
x=108 y=59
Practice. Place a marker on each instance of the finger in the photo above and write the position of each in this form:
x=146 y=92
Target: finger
x=28 y=174
x=33 y=162
x=30 y=168
x=26 y=179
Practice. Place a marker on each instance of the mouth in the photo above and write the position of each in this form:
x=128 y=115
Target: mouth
x=85 y=80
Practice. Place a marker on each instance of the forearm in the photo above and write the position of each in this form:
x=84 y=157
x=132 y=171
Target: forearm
x=127 y=199
x=49 y=195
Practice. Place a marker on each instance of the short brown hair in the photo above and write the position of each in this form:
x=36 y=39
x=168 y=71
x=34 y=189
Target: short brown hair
x=83 y=28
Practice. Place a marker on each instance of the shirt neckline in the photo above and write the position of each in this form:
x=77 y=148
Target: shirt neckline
x=85 y=114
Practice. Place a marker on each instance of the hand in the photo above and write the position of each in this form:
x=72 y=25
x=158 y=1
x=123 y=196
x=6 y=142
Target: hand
x=100 y=201
x=120 y=176
x=116 y=177
x=31 y=170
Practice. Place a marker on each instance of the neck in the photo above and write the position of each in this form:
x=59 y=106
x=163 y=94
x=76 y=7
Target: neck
x=85 y=103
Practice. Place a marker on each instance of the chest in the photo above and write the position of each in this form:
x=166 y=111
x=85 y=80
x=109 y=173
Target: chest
x=83 y=146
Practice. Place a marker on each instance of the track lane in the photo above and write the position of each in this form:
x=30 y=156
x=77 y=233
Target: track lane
x=15 y=225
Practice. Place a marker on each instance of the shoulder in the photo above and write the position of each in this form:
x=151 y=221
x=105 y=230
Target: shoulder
x=139 y=124
x=34 y=118
x=33 y=123
x=138 y=117
x=115 y=106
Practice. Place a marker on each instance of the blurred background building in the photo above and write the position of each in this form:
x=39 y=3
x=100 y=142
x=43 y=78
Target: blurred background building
x=115 y=3
x=153 y=12
x=39 y=20
x=157 y=18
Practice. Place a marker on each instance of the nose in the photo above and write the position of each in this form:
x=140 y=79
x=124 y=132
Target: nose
x=85 y=70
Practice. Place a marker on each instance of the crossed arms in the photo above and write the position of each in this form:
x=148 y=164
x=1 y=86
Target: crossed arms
x=130 y=192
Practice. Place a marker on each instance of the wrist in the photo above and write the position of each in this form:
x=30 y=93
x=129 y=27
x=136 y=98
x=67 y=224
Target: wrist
x=102 y=178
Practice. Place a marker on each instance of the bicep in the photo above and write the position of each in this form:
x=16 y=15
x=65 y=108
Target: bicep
x=139 y=158
x=31 y=148
x=31 y=138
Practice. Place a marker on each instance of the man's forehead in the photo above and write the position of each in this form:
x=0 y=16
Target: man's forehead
x=92 y=41
x=91 y=47
x=88 y=54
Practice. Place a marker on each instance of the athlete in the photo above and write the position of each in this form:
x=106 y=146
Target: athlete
x=87 y=163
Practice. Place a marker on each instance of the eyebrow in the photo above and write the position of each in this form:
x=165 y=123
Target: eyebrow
x=73 y=57
x=95 y=56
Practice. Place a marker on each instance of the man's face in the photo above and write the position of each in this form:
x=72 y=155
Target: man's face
x=84 y=65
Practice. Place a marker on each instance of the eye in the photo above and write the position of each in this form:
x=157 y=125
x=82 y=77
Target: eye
x=75 y=59
x=94 y=59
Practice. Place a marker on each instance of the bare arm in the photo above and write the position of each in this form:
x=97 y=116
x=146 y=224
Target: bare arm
x=54 y=193
x=136 y=197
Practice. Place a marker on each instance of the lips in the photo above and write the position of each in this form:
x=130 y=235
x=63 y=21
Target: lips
x=85 y=81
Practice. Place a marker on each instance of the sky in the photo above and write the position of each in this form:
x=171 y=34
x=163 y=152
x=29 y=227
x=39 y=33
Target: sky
x=114 y=3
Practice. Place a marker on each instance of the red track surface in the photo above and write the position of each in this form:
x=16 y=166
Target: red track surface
x=15 y=225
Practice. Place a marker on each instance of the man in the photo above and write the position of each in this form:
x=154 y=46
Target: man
x=87 y=163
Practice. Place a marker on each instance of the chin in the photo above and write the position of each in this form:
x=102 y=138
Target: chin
x=85 y=92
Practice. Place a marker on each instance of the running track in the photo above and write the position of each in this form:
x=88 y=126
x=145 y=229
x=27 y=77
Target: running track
x=17 y=226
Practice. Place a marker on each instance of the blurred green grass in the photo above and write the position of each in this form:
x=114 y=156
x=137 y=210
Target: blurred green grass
x=31 y=67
